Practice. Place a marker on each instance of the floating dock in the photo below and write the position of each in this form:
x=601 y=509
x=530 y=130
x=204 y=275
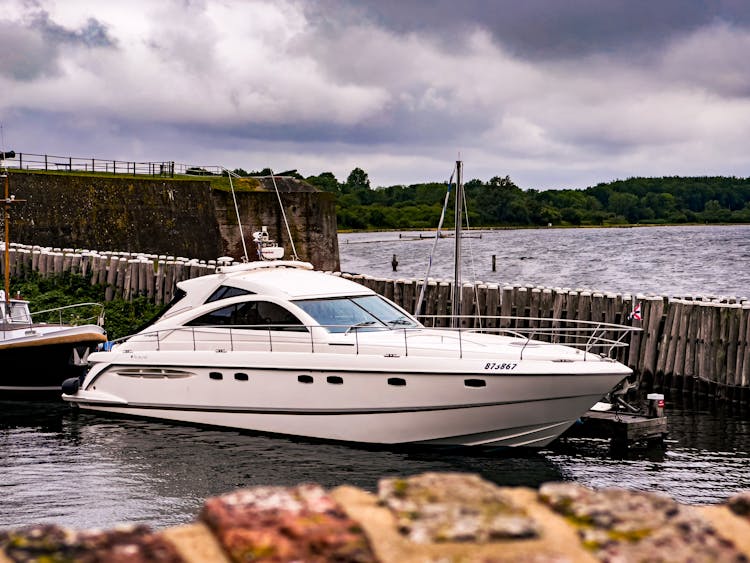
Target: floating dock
x=625 y=429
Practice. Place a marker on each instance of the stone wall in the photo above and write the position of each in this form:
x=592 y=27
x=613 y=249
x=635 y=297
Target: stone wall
x=449 y=517
x=180 y=217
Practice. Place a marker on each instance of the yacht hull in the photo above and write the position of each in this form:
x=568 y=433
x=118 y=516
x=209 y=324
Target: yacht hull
x=454 y=403
x=469 y=426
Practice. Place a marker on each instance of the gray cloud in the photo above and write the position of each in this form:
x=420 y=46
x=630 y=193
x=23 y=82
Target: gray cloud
x=92 y=34
x=543 y=29
x=31 y=49
x=25 y=54
x=552 y=93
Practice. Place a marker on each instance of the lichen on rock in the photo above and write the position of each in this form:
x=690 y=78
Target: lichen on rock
x=451 y=507
x=622 y=525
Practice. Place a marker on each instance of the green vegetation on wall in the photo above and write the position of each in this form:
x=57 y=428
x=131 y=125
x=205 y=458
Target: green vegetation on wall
x=121 y=317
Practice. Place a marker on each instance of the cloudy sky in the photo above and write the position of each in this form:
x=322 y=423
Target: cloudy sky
x=553 y=93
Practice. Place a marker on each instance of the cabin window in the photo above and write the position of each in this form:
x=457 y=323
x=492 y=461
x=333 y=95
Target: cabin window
x=239 y=376
x=225 y=292
x=335 y=380
x=259 y=315
x=215 y=375
x=305 y=378
x=475 y=383
x=19 y=312
x=396 y=381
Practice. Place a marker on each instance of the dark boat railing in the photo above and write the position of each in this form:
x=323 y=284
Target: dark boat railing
x=588 y=336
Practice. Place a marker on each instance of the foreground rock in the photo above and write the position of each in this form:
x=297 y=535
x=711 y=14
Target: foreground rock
x=425 y=518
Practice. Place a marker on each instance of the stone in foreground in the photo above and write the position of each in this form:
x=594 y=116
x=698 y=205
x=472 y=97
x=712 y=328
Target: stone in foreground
x=285 y=524
x=450 y=507
x=130 y=544
x=622 y=525
x=429 y=518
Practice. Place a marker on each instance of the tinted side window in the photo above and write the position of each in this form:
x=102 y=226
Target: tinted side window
x=277 y=317
x=225 y=292
x=221 y=317
x=260 y=315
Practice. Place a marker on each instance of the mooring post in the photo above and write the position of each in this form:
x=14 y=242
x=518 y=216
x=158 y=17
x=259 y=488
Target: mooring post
x=394 y=263
x=493 y=263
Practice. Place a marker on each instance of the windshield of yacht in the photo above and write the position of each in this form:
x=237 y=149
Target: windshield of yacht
x=363 y=313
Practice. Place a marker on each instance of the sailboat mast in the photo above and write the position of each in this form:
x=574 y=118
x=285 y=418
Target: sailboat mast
x=7 y=241
x=456 y=309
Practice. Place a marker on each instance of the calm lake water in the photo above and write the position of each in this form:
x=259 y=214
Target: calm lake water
x=85 y=470
x=672 y=261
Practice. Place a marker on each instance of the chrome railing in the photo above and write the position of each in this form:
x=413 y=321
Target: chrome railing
x=67 y=315
x=585 y=335
x=588 y=336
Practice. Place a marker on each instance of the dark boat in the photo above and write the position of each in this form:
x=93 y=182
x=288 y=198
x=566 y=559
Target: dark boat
x=36 y=357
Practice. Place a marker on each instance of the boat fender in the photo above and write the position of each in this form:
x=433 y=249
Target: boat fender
x=70 y=386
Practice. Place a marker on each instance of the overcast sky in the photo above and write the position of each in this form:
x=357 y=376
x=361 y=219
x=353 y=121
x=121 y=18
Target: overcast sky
x=553 y=93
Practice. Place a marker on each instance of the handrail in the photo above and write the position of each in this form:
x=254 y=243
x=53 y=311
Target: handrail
x=588 y=336
x=99 y=317
x=579 y=326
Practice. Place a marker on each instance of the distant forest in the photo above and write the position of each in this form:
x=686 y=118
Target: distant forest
x=499 y=202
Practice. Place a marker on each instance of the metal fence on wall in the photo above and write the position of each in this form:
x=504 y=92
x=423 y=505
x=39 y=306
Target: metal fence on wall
x=30 y=161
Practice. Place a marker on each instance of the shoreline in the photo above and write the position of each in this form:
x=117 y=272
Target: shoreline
x=542 y=227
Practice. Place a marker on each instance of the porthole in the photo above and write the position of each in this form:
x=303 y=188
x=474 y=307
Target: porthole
x=475 y=383
x=215 y=375
x=396 y=381
x=239 y=376
x=305 y=378
x=334 y=379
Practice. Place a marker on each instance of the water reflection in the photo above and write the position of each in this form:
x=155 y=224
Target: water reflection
x=85 y=470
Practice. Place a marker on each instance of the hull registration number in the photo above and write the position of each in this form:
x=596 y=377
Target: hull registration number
x=500 y=366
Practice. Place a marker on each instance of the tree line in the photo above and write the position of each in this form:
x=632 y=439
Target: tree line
x=499 y=202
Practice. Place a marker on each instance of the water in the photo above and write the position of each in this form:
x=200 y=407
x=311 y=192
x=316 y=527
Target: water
x=674 y=261
x=85 y=470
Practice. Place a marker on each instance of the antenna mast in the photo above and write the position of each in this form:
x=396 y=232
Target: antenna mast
x=8 y=201
x=457 y=258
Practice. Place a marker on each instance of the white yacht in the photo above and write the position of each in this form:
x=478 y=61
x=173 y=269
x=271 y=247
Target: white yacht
x=278 y=347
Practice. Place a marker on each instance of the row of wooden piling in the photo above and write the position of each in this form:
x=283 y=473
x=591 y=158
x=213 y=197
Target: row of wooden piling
x=125 y=275
x=691 y=344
